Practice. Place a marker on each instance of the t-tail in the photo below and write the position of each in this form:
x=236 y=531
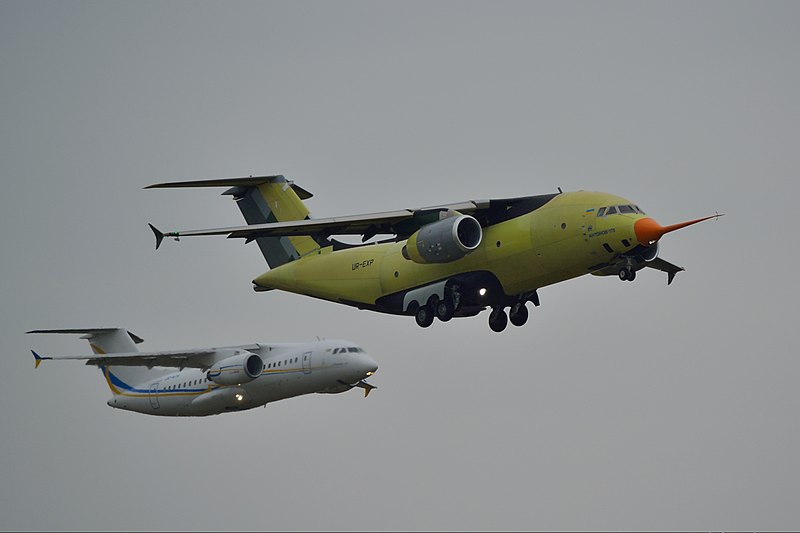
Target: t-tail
x=262 y=200
x=105 y=341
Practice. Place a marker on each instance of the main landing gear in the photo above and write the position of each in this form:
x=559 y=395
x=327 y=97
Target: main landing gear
x=424 y=316
x=443 y=309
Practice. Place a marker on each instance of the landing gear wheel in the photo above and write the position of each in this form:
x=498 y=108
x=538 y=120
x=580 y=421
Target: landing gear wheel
x=498 y=319
x=445 y=310
x=623 y=274
x=518 y=314
x=424 y=316
x=631 y=275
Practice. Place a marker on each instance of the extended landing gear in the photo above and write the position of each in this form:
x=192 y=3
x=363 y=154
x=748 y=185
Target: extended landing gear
x=498 y=319
x=518 y=314
x=627 y=274
x=445 y=309
x=424 y=316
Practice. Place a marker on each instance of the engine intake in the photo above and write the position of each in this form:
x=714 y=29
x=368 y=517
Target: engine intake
x=444 y=241
x=237 y=369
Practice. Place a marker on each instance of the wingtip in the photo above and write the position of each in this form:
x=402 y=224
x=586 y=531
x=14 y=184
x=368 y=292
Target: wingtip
x=671 y=275
x=159 y=235
x=37 y=359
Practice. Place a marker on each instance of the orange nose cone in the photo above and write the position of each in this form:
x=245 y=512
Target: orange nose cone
x=648 y=231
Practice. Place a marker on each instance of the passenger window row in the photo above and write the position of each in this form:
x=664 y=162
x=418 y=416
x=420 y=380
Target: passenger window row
x=278 y=363
x=186 y=384
x=205 y=380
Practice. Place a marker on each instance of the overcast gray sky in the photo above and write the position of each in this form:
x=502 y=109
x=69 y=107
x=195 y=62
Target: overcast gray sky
x=618 y=406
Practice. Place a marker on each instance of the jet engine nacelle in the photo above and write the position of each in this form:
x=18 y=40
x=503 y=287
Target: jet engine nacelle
x=237 y=369
x=444 y=241
x=650 y=253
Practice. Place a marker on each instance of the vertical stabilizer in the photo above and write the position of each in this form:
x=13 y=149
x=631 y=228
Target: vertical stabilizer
x=275 y=200
x=264 y=200
x=103 y=340
x=108 y=341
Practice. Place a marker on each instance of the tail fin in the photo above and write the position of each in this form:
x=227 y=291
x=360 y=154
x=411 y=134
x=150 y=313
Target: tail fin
x=263 y=200
x=105 y=341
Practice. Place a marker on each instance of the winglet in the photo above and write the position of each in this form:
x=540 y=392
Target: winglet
x=366 y=386
x=671 y=275
x=38 y=358
x=159 y=235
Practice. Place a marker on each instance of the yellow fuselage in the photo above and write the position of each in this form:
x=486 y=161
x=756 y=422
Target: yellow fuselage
x=561 y=240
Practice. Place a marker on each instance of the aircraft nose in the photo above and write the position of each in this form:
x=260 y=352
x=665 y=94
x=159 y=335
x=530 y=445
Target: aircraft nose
x=367 y=364
x=647 y=231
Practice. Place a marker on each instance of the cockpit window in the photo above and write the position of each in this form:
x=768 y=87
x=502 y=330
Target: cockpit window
x=638 y=210
x=626 y=209
x=601 y=211
x=611 y=210
x=349 y=349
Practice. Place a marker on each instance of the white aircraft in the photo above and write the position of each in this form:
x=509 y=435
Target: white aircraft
x=209 y=381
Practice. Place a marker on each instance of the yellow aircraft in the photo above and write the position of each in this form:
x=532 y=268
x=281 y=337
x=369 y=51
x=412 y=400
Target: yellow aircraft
x=445 y=261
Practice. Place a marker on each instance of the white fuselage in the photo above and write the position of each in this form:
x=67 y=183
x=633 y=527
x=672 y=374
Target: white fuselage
x=289 y=370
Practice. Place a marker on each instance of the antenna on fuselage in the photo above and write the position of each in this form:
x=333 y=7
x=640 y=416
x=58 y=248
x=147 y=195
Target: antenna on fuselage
x=559 y=190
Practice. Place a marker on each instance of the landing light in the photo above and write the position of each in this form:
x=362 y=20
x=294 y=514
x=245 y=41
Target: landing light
x=370 y=373
x=239 y=397
x=482 y=291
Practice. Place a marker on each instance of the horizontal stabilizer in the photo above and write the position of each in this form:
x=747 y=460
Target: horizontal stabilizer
x=89 y=332
x=250 y=181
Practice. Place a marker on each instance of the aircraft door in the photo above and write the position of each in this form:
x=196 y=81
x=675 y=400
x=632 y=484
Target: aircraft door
x=307 y=363
x=154 y=395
